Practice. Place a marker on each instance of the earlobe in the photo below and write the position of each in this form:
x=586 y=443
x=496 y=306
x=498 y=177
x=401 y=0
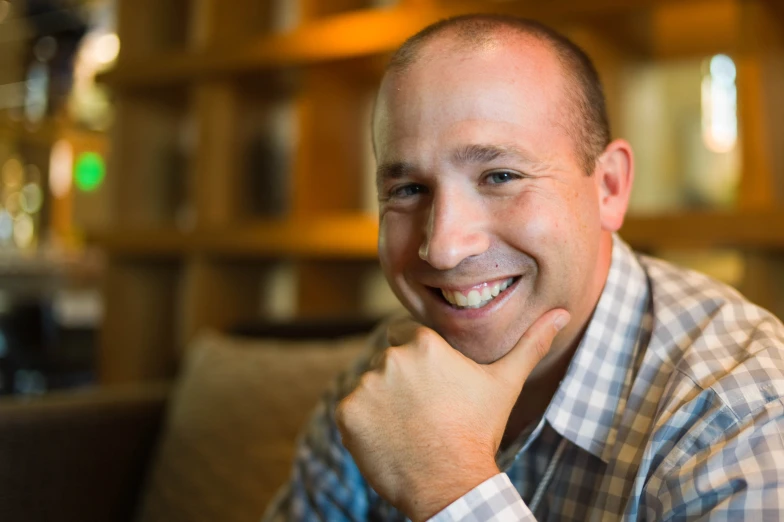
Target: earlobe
x=615 y=172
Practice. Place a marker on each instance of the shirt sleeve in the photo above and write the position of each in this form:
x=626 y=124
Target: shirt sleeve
x=739 y=476
x=325 y=483
x=494 y=500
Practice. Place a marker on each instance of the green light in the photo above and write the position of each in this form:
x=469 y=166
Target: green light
x=89 y=171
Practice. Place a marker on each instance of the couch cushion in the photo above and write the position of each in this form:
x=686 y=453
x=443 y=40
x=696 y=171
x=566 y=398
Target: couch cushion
x=230 y=430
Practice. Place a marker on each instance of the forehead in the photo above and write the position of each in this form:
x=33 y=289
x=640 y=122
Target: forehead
x=508 y=89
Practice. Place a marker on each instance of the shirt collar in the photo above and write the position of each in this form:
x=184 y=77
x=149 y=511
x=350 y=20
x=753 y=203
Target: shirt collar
x=585 y=405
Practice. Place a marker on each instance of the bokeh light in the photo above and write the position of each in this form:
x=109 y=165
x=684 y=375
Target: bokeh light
x=719 y=105
x=60 y=168
x=33 y=174
x=24 y=231
x=106 y=48
x=13 y=173
x=13 y=204
x=89 y=171
x=6 y=226
x=32 y=198
x=45 y=48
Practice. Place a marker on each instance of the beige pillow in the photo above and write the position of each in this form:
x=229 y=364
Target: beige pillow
x=230 y=430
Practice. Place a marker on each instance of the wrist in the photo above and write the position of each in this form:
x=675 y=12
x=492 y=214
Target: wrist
x=427 y=500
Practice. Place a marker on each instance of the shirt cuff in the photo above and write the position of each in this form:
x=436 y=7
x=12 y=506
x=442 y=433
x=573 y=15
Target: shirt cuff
x=495 y=499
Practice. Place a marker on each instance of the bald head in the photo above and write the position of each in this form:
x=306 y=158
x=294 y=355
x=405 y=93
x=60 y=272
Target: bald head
x=585 y=115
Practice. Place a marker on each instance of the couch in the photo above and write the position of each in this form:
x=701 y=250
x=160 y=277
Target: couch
x=216 y=443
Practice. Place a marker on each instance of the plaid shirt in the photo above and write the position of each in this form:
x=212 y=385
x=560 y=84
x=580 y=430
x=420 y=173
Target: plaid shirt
x=671 y=409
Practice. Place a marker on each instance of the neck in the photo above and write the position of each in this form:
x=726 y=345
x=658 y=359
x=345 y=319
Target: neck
x=536 y=395
x=541 y=385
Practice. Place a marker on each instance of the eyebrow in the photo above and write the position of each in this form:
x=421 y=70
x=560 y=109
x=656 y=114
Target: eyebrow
x=479 y=153
x=394 y=170
x=466 y=154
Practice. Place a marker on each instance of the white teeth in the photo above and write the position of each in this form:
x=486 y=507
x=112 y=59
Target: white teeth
x=476 y=298
x=449 y=296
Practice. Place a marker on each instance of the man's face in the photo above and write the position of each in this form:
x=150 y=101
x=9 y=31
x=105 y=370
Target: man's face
x=486 y=218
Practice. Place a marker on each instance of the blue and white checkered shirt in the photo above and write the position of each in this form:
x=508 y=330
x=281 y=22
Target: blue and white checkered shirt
x=671 y=409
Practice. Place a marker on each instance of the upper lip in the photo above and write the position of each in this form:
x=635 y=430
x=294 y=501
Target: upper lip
x=468 y=286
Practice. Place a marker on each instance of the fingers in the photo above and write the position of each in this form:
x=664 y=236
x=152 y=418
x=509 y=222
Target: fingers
x=535 y=343
x=402 y=331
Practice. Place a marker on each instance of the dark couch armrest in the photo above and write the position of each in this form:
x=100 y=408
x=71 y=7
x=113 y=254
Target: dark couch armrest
x=77 y=456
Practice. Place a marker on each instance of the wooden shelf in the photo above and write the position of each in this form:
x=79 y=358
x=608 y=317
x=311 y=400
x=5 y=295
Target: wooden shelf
x=355 y=34
x=49 y=131
x=335 y=237
x=355 y=236
x=702 y=230
x=150 y=243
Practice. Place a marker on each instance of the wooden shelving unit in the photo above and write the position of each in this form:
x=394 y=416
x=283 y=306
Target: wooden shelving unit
x=241 y=154
x=328 y=237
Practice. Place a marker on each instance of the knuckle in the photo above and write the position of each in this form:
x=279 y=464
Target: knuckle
x=378 y=360
x=424 y=335
x=541 y=347
x=399 y=331
x=366 y=381
x=341 y=412
x=393 y=355
x=392 y=334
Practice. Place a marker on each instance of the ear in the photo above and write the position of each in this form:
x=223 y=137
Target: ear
x=614 y=176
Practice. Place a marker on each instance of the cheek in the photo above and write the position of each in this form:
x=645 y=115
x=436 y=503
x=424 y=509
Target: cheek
x=552 y=230
x=398 y=244
x=532 y=222
x=398 y=253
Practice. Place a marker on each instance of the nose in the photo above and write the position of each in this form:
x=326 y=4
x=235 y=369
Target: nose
x=455 y=231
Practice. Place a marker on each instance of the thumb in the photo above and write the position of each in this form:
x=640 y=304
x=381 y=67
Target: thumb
x=515 y=366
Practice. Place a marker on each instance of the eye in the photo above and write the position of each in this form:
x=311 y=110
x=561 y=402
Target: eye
x=407 y=191
x=501 y=176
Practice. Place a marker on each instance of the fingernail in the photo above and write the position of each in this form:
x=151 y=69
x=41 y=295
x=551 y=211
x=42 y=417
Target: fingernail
x=560 y=321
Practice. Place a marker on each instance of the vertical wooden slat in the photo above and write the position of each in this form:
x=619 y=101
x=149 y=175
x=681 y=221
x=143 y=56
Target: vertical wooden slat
x=146 y=27
x=220 y=25
x=217 y=294
x=760 y=83
x=216 y=165
x=328 y=165
x=330 y=177
x=137 y=339
x=763 y=282
x=148 y=160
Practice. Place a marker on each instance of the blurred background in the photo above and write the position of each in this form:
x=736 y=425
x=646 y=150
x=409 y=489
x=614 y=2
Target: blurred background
x=168 y=166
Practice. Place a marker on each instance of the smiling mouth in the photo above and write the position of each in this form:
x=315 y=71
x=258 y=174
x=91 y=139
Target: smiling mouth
x=477 y=296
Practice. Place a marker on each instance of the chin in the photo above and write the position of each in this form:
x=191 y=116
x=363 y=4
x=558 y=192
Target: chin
x=480 y=349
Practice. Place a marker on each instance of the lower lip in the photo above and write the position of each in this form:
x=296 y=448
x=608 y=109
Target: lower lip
x=477 y=313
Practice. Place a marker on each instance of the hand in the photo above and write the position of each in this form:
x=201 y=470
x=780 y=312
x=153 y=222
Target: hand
x=424 y=425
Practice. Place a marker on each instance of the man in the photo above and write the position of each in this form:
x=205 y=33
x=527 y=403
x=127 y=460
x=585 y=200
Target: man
x=550 y=373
